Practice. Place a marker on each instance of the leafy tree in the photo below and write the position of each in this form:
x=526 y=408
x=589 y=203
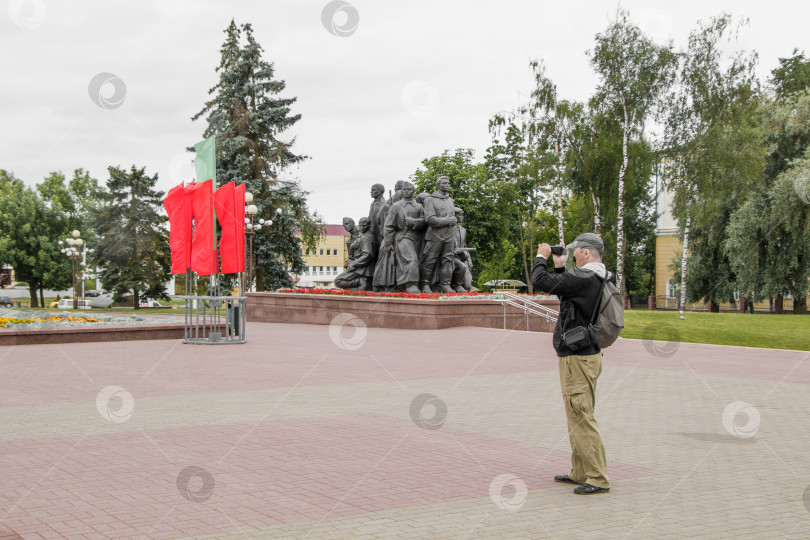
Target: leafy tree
x=77 y=198
x=521 y=173
x=547 y=125
x=712 y=152
x=768 y=239
x=133 y=246
x=485 y=213
x=529 y=164
x=792 y=76
x=594 y=157
x=249 y=118
x=28 y=242
x=634 y=74
x=591 y=163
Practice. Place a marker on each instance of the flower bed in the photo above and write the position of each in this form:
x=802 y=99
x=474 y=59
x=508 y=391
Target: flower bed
x=24 y=320
x=5 y=321
x=434 y=296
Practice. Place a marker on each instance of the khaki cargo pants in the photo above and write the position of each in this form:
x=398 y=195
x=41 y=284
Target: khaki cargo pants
x=578 y=375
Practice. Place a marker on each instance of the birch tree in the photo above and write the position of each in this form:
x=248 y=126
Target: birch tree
x=710 y=146
x=537 y=138
x=634 y=74
x=516 y=169
x=550 y=123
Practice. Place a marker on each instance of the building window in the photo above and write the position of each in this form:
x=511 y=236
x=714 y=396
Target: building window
x=321 y=252
x=672 y=288
x=328 y=251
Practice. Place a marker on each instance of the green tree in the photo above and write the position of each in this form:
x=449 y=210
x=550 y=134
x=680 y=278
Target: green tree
x=249 y=119
x=471 y=190
x=29 y=238
x=133 y=245
x=634 y=74
x=792 y=77
x=522 y=173
x=768 y=238
x=529 y=163
x=78 y=198
x=712 y=153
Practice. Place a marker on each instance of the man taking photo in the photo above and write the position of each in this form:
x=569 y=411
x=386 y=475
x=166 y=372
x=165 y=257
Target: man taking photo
x=579 y=290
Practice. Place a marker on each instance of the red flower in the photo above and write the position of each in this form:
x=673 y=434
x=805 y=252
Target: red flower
x=344 y=292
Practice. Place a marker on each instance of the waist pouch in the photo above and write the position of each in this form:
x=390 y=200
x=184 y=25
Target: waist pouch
x=577 y=338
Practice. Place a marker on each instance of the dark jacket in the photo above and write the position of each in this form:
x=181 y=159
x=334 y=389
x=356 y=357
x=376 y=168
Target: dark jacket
x=578 y=291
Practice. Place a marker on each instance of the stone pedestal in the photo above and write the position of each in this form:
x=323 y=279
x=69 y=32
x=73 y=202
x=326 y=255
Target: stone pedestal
x=404 y=313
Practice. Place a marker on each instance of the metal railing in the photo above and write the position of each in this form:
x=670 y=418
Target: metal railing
x=214 y=320
x=527 y=306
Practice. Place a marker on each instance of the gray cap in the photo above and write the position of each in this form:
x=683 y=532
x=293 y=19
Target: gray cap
x=588 y=241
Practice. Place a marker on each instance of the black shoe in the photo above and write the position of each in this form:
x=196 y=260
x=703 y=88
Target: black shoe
x=565 y=478
x=588 y=489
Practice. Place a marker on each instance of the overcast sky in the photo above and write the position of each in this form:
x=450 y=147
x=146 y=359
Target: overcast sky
x=410 y=80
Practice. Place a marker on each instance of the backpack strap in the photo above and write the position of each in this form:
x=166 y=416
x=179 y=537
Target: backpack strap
x=598 y=299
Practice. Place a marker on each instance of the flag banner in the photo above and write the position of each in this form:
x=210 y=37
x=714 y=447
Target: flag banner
x=225 y=205
x=203 y=256
x=239 y=201
x=178 y=207
x=205 y=164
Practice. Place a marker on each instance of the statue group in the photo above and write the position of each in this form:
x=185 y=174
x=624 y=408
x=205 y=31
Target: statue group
x=407 y=243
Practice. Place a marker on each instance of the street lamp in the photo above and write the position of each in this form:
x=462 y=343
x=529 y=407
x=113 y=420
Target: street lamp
x=252 y=228
x=86 y=273
x=75 y=252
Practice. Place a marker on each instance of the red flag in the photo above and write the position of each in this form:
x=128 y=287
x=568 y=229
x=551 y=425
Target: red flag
x=203 y=255
x=178 y=207
x=239 y=202
x=224 y=203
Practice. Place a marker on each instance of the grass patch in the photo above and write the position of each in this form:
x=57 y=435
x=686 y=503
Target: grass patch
x=768 y=331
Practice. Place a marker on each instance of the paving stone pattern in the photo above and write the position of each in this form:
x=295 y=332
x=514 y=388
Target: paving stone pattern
x=311 y=431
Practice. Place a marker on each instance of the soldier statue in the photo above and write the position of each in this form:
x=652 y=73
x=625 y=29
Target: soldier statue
x=462 y=262
x=384 y=272
x=402 y=225
x=378 y=194
x=438 y=253
x=348 y=224
x=361 y=261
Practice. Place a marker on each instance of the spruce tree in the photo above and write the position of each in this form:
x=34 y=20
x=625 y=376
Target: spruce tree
x=249 y=118
x=133 y=246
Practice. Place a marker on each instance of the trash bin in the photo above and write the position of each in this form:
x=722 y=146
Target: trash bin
x=232 y=317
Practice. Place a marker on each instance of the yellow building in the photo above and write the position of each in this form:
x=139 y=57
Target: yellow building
x=668 y=248
x=327 y=261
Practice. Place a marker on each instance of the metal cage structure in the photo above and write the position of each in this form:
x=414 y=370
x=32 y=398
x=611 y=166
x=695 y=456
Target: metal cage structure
x=214 y=320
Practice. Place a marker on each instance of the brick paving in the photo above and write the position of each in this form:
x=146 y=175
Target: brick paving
x=313 y=431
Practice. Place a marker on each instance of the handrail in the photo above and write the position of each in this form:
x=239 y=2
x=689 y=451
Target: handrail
x=549 y=313
x=522 y=303
x=527 y=309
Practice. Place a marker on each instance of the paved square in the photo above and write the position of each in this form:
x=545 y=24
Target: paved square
x=341 y=432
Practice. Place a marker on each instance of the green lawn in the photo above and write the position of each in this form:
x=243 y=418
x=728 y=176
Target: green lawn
x=769 y=331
